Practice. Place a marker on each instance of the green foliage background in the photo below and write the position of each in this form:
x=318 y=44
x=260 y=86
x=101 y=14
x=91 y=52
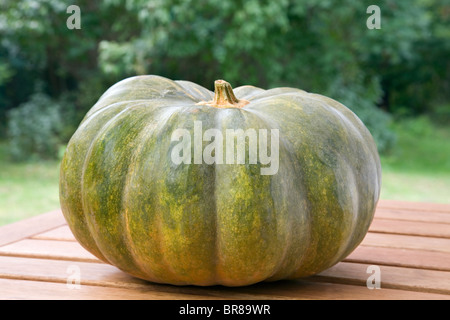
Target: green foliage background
x=400 y=70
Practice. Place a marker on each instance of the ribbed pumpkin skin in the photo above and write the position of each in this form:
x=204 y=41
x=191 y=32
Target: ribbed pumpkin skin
x=205 y=224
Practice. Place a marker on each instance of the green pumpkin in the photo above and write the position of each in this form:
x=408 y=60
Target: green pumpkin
x=190 y=221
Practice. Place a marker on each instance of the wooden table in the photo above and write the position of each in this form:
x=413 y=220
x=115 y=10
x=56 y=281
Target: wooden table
x=408 y=243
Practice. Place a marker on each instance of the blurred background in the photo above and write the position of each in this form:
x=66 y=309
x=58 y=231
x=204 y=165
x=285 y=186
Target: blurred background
x=396 y=79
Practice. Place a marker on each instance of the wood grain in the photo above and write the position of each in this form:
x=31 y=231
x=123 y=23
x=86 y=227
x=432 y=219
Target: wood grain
x=48 y=249
x=406 y=242
x=414 y=206
x=28 y=227
x=38 y=290
x=391 y=277
x=414 y=228
x=407 y=215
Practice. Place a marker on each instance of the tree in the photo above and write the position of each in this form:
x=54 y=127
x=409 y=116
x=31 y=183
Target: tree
x=323 y=47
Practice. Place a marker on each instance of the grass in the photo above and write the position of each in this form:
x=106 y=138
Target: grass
x=26 y=189
x=415 y=187
x=416 y=169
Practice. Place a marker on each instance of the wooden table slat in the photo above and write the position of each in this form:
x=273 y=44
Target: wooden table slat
x=28 y=227
x=62 y=233
x=400 y=257
x=48 y=249
x=38 y=290
x=420 y=216
x=414 y=206
x=406 y=242
x=414 y=228
x=391 y=277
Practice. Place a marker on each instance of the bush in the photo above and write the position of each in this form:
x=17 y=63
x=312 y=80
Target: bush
x=362 y=96
x=34 y=129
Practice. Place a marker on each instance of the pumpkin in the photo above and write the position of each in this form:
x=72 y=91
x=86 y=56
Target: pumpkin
x=141 y=190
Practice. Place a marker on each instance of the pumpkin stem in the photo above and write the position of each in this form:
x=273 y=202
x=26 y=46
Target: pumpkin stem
x=223 y=93
x=224 y=97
